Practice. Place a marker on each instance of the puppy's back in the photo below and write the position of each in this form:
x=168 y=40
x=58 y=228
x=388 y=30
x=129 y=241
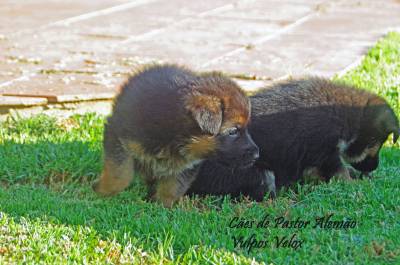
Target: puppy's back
x=312 y=92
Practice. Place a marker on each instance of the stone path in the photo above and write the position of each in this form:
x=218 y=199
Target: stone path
x=67 y=51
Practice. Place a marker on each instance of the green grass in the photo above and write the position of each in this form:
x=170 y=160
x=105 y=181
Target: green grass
x=48 y=213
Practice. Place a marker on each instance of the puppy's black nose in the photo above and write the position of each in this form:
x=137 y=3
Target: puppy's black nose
x=253 y=153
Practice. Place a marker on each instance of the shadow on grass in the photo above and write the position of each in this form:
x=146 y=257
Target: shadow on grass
x=43 y=162
x=52 y=181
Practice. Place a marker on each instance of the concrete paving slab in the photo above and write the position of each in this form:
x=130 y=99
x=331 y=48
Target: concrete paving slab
x=11 y=101
x=7 y=72
x=82 y=50
x=31 y=14
x=144 y=19
x=62 y=87
x=180 y=44
x=324 y=44
x=282 y=12
x=319 y=56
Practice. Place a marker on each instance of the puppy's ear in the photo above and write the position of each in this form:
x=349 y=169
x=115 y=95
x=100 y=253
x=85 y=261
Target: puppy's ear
x=389 y=122
x=396 y=134
x=207 y=111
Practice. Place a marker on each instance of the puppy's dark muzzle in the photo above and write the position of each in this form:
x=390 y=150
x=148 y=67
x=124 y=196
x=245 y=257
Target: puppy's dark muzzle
x=239 y=151
x=251 y=155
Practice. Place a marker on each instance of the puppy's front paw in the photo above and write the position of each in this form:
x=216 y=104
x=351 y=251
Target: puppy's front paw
x=269 y=178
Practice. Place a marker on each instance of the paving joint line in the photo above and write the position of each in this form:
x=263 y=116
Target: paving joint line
x=262 y=40
x=182 y=21
x=84 y=16
x=101 y=12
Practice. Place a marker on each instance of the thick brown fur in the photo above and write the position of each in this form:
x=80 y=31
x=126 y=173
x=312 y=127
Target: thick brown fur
x=167 y=119
x=308 y=125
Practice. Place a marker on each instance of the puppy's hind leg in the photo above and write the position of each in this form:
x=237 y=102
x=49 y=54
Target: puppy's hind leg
x=116 y=176
x=118 y=167
x=167 y=191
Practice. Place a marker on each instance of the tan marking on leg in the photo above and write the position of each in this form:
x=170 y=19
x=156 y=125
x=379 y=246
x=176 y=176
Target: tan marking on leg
x=115 y=177
x=167 y=191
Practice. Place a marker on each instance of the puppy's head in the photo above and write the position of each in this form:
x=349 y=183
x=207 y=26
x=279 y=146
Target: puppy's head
x=378 y=122
x=222 y=111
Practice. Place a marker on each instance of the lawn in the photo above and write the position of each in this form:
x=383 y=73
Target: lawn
x=49 y=214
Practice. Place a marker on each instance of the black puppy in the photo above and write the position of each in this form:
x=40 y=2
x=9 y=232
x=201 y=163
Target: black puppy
x=308 y=125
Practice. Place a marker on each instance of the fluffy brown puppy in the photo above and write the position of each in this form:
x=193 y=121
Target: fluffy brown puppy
x=166 y=119
x=302 y=126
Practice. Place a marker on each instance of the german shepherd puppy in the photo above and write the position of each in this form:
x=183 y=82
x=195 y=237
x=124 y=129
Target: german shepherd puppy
x=167 y=119
x=301 y=126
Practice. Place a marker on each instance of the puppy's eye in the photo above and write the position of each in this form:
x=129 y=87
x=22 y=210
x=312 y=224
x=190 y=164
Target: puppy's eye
x=232 y=131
